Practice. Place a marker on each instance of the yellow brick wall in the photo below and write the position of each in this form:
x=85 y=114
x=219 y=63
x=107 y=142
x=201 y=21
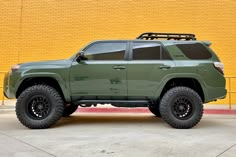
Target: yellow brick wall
x=33 y=30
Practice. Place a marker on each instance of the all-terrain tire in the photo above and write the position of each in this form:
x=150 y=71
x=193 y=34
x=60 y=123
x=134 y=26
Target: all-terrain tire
x=181 y=107
x=69 y=109
x=39 y=107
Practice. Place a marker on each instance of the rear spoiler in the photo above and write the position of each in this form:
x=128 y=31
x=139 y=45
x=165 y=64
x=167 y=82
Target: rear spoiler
x=207 y=43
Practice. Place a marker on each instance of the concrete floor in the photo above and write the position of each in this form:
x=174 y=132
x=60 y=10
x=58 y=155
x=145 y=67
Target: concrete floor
x=118 y=135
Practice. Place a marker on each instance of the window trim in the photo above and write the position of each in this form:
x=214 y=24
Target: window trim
x=130 y=57
x=110 y=41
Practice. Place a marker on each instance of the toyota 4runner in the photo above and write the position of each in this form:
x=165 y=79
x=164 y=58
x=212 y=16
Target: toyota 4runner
x=171 y=74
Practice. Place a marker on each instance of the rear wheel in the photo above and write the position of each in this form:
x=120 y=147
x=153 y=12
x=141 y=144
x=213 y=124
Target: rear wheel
x=181 y=107
x=39 y=107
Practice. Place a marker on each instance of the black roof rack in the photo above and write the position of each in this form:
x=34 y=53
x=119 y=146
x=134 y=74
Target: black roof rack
x=168 y=36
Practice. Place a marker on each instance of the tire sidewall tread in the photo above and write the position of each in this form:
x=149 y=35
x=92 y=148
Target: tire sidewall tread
x=167 y=115
x=57 y=107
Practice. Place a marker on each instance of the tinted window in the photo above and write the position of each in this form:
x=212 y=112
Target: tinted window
x=165 y=55
x=148 y=51
x=194 y=50
x=106 y=51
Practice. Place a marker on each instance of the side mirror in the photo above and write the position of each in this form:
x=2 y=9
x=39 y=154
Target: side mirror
x=81 y=57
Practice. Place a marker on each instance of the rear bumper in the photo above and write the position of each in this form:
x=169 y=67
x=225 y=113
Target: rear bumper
x=216 y=93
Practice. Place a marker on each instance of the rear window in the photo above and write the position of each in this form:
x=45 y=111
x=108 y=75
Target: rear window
x=194 y=50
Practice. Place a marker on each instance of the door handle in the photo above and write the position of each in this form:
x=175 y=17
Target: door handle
x=165 y=67
x=118 y=67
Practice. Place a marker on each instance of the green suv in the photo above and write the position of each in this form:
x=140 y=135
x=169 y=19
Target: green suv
x=171 y=74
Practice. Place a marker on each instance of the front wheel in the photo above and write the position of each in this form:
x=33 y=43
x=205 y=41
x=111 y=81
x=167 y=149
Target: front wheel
x=181 y=107
x=39 y=107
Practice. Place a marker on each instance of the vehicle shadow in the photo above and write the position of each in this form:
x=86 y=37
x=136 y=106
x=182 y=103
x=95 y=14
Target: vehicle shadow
x=107 y=119
x=127 y=119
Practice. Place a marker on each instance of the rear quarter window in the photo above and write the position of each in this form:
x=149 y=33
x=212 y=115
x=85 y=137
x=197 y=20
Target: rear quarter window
x=194 y=50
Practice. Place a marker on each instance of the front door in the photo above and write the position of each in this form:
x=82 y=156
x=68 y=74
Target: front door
x=103 y=75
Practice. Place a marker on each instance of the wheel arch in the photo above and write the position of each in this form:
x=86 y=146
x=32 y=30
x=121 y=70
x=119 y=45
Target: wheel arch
x=50 y=81
x=190 y=82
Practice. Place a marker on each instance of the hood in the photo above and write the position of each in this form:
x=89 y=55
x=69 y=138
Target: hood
x=45 y=64
x=51 y=62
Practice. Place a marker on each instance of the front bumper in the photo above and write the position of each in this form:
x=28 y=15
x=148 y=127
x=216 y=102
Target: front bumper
x=5 y=94
x=7 y=88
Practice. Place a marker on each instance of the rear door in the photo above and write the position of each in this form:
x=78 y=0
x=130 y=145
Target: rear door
x=148 y=65
x=103 y=75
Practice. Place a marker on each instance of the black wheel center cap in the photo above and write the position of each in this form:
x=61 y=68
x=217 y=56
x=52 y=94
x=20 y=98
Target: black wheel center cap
x=40 y=106
x=181 y=107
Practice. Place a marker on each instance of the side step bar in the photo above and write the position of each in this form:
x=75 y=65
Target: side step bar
x=117 y=103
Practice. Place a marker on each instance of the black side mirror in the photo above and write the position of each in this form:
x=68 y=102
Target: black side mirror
x=81 y=57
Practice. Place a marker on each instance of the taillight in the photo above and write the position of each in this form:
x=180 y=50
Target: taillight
x=219 y=66
x=15 y=67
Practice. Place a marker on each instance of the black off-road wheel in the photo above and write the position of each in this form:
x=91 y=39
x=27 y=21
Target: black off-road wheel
x=39 y=107
x=181 y=107
x=154 y=109
x=69 y=109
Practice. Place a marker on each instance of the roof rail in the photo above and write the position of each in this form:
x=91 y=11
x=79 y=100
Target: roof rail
x=168 y=36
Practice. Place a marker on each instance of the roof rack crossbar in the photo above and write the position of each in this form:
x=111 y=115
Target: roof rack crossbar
x=168 y=36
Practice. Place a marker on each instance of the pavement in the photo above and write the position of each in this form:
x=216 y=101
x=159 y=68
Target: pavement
x=89 y=134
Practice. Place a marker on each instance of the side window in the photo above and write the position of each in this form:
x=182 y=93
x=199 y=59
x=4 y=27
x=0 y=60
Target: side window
x=194 y=51
x=106 y=51
x=148 y=51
